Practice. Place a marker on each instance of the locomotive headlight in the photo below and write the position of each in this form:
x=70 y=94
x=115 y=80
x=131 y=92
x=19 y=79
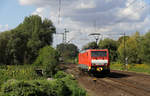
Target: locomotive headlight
x=89 y=68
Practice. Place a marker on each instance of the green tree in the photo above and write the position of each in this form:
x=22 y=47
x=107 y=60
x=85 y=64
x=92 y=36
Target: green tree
x=145 y=48
x=48 y=57
x=23 y=43
x=39 y=36
x=4 y=56
x=16 y=46
x=131 y=49
x=91 y=45
x=68 y=50
x=121 y=39
x=111 y=45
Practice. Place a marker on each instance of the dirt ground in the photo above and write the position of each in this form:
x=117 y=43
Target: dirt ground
x=117 y=83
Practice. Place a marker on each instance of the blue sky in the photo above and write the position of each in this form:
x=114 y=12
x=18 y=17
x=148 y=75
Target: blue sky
x=148 y=1
x=12 y=13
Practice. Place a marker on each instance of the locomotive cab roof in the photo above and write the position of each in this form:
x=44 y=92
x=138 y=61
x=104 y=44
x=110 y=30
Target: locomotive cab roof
x=93 y=50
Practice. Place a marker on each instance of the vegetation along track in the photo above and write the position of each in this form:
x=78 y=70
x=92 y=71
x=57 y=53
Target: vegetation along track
x=117 y=83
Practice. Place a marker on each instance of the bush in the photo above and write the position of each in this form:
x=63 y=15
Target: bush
x=71 y=83
x=48 y=58
x=73 y=86
x=21 y=72
x=60 y=74
x=35 y=88
x=68 y=52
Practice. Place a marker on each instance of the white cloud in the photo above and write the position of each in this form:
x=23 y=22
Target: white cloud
x=111 y=16
x=4 y=27
x=39 y=11
x=0 y=26
x=134 y=12
x=86 y=4
x=27 y=2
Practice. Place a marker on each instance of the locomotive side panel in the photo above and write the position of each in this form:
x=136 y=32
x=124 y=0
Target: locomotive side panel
x=84 y=60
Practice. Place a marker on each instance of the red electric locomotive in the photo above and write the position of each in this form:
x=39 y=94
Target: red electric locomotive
x=95 y=60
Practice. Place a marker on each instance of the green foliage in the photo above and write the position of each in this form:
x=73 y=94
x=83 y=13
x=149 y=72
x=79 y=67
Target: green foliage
x=4 y=37
x=68 y=51
x=91 y=45
x=145 y=48
x=60 y=74
x=144 y=68
x=35 y=88
x=48 y=57
x=112 y=46
x=73 y=86
x=122 y=38
x=62 y=85
x=21 y=45
x=71 y=83
x=131 y=49
x=21 y=72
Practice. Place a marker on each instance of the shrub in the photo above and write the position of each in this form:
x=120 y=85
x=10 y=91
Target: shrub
x=73 y=86
x=60 y=74
x=71 y=83
x=48 y=58
x=20 y=72
x=35 y=88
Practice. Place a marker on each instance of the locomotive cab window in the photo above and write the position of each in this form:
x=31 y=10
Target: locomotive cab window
x=98 y=53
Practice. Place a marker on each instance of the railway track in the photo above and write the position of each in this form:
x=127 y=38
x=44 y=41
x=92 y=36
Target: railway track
x=118 y=83
x=129 y=88
x=132 y=84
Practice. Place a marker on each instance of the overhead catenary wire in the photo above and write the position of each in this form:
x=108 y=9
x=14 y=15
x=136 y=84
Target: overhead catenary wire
x=121 y=19
x=117 y=21
x=131 y=3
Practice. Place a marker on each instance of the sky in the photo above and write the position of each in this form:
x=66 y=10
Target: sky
x=81 y=17
x=12 y=13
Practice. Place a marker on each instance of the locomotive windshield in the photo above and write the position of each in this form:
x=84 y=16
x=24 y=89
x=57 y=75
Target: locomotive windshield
x=99 y=53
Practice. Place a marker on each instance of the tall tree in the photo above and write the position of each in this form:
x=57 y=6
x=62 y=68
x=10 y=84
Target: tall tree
x=131 y=49
x=111 y=45
x=122 y=38
x=145 y=48
x=91 y=45
x=68 y=50
x=4 y=56
x=25 y=40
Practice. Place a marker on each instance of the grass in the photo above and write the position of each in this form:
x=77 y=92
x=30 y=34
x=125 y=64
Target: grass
x=24 y=75
x=73 y=61
x=20 y=72
x=142 y=68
